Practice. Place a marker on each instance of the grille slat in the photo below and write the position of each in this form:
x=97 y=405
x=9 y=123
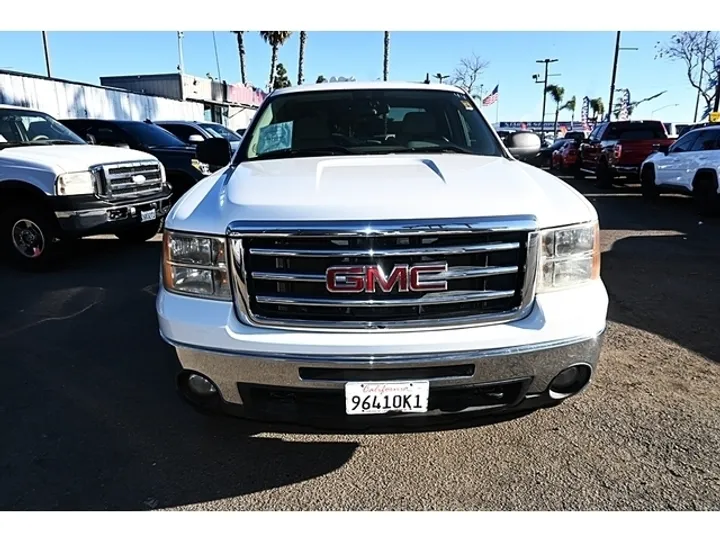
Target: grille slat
x=428 y=252
x=280 y=279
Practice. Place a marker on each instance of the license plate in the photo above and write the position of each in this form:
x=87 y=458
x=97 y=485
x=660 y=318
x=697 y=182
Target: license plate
x=148 y=215
x=385 y=397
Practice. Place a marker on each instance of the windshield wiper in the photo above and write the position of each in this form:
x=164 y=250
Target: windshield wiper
x=305 y=152
x=446 y=148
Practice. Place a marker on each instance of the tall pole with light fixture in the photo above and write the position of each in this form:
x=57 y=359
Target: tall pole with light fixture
x=547 y=62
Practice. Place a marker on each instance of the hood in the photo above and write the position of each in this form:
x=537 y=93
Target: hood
x=378 y=188
x=68 y=158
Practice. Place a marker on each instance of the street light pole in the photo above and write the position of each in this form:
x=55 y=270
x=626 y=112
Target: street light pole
x=47 y=53
x=717 y=84
x=614 y=71
x=652 y=113
x=547 y=62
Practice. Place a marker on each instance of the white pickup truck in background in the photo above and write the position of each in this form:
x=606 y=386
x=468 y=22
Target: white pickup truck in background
x=374 y=249
x=54 y=186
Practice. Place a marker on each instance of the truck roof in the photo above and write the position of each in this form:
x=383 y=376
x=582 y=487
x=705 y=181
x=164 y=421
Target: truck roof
x=17 y=107
x=371 y=85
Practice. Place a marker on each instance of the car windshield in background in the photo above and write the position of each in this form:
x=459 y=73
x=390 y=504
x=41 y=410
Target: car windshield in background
x=376 y=121
x=18 y=127
x=636 y=132
x=218 y=130
x=151 y=135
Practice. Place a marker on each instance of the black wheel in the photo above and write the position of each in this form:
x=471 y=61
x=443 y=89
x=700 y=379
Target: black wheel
x=604 y=175
x=29 y=237
x=705 y=195
x=650 y=191
x=139 y=234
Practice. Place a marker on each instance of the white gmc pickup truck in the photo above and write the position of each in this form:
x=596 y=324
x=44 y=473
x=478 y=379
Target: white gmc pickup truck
x=375 y=249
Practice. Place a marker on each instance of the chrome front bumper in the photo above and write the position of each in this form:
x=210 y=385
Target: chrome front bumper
x=539 y=363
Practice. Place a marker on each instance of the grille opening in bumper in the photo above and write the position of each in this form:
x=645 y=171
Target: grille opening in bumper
x=282 y=279
x=390 y=374
x=320 y=403
x=128 y=179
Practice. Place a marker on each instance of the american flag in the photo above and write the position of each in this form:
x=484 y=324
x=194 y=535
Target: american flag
x=492 y=98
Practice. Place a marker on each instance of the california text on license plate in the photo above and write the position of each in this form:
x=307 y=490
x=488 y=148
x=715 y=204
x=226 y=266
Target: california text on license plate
x=385 y=397
x=148 y=215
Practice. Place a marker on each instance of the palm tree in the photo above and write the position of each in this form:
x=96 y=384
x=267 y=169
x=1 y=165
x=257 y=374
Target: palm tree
x=386 y=56
x=556 y=93
x=598 y=108
x=301 y=58
x=570 y=105
x=241 y=53
x=275 y=40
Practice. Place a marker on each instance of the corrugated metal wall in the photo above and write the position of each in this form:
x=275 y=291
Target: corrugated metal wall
x=167 y=85
x=70 y=100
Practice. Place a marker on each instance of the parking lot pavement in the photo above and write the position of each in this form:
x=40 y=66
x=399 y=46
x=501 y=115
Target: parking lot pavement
x=90 y=418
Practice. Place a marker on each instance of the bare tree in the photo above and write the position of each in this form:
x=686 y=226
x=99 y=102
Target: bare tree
x=467 y=73
x=697 y=50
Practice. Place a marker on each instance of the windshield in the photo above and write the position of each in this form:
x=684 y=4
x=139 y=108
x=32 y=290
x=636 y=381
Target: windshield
x=218 y=130
x=368 y=121
x=18 y=127
x=151 y=135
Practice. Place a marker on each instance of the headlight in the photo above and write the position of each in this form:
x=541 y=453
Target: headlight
x=79 y=183
x=200 y=166
x=570 y=256
x=195 y=265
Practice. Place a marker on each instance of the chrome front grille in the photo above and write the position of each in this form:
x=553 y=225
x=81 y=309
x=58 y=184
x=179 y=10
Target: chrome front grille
x=129 y=179
x=279 y=272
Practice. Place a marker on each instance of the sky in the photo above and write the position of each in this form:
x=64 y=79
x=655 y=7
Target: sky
x=584 y=64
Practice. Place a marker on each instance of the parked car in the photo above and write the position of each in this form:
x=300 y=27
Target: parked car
x=614 y=151
x=182 y=167
x=455 y=279
x=565 y=157
x=193 y=132
x=544 y=157
x=54 y=186
x=691 y=165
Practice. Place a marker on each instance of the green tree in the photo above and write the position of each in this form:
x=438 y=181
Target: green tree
x=598 y=108
x=320 y=79
x=301 y=56
x=281 y=79
x=275 y=40
x=386 y=56
x=241 y=53
x=633 y=104
x=571 y=105
x=556 y=93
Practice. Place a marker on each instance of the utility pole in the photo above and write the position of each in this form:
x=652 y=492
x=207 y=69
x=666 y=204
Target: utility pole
x=181 y=66
x=47 y=53
x=702 y=72
x=547 y=62
x=614 y=71
x=717 y=84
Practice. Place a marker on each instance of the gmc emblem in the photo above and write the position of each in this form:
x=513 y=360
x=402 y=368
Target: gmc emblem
x=372 y=278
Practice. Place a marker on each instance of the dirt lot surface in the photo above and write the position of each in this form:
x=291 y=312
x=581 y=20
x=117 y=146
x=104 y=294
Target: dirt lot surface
x=90 y=418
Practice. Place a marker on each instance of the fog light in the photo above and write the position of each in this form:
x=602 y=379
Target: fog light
x=201 y=386
x=570 y=381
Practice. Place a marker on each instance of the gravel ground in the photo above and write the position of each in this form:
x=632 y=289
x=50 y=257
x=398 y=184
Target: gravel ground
x=90 y=419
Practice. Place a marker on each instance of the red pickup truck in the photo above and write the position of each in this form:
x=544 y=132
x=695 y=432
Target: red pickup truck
x=615 y=150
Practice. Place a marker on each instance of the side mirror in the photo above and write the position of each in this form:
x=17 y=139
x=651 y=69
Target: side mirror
x=195 y=139
x=663 y=148
x=215 y=151
x=523 y=144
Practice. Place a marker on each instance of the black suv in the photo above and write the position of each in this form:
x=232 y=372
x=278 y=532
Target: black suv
x=182 y=168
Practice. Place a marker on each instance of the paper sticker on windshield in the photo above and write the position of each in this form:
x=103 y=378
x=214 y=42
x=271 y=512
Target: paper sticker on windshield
x=275 y=137
x=467 y=104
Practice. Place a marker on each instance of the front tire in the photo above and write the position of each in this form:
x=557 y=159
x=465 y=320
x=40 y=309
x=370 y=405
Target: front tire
x=29 y=237
x=139 y=234
x=649 y=189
